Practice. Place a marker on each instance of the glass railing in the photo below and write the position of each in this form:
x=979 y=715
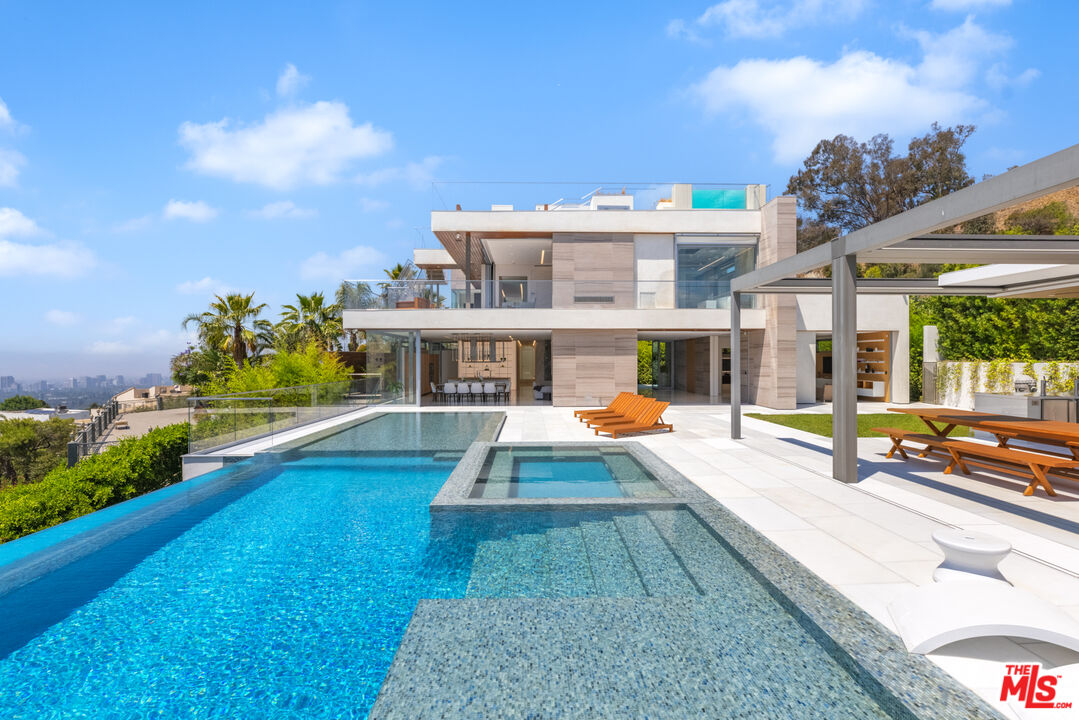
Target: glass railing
x=596 y=196
x=519 y=294
x=220 y=420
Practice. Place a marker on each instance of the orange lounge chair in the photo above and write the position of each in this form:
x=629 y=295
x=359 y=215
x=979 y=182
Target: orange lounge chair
x=651 y=418
x=636 y=405
x=617 y=405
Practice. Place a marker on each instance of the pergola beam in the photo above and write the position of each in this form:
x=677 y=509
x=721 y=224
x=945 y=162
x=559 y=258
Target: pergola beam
x=873 y=286
x=979 y=250
x=1027 y=182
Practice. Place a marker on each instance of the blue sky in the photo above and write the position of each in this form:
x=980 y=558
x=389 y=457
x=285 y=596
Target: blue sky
x=151 y=155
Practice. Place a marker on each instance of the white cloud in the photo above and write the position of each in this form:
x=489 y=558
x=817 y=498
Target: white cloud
x=205 y=286
x=349 y=264
x=964 y=5
x=290 y=81
x=6 y=121
x=197 y=211
x=801 y=100
x=998 y=78
x=62 y=318
x=305 y=144
x=372 y=205
x=751 y=19
x=120 y=324
x=143 y=340
x=13 y=224
x=10 y=163
x=952 y=59
x=134 y=224
x=63 y=259
x=283 y=209
x=417 y=174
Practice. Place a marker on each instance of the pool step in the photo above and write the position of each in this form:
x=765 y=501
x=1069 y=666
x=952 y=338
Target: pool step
x=624 y=557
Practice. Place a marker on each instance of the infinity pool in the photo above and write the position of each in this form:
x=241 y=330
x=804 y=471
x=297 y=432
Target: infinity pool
x=288 y=592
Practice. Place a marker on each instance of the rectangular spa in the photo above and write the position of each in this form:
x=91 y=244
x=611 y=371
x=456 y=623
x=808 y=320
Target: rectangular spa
x=575 y=471
x=317 y=583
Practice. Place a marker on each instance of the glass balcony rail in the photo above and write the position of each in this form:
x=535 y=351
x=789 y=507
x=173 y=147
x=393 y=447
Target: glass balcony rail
x=220 y=420
x=605 y=196
x=516 y=293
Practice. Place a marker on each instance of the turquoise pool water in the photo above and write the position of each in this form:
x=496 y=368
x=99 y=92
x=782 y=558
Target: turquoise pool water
x=564 y=471
x=287 y=594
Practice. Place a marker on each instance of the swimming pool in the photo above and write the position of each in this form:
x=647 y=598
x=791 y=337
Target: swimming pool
x=290 y=592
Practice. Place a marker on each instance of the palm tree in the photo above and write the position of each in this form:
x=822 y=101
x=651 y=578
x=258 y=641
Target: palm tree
x=401 y=285
x=231 y=324
x=355 y=296
x=312 y=320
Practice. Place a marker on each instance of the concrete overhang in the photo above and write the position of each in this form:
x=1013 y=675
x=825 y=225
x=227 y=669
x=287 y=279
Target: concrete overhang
x=529 y=223
x=433 y=258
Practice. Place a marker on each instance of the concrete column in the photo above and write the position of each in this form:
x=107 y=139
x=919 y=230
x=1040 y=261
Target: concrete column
x=806 y=349
x=418 y=366
x=844 y=369
x=715 y=360
x=736 y=365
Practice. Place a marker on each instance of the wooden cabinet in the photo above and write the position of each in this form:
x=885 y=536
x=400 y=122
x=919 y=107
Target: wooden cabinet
x=875 y=366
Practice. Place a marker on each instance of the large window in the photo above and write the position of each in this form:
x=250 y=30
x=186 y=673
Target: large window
x=705 y=269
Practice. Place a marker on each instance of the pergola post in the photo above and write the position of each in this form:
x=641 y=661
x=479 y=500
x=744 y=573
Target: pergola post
x=736 y=365
x=844 y=369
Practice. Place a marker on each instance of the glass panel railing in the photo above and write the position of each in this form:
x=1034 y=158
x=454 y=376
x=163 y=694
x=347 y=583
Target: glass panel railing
x=220 y=420
x=523 y=293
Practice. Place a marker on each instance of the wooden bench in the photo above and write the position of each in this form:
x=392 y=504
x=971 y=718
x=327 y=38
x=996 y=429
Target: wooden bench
x=899 y=436
x=1024 y=463
x=1008 y=460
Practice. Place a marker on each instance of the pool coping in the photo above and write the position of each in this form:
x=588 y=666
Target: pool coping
x=918 y=684
x=454 y=495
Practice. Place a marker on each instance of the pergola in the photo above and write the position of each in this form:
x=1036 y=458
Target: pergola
x=909 y=238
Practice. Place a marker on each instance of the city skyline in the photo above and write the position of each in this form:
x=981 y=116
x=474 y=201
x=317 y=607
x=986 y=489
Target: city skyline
x=150 y=158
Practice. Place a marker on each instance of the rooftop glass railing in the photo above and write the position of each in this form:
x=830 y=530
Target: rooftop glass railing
x=570 y=196
x=520 y=293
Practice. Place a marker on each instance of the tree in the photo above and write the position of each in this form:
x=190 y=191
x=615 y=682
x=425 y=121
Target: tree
x=311 y=320
x=231 y=324
x=198 y=366
x=18 y=403
x=355 y=296
x=845 y=185
x=30 y=449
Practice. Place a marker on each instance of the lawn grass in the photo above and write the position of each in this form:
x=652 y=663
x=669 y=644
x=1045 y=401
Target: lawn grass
x=820 y=424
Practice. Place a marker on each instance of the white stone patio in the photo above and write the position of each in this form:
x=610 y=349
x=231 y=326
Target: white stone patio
x=870 y=540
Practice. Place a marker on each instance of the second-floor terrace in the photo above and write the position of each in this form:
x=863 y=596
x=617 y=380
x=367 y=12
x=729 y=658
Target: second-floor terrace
x=521 y=293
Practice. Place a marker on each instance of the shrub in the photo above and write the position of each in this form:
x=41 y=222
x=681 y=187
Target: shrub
x=129 y=469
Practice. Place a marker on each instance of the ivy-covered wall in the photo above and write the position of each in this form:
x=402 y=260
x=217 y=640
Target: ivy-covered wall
x=958 y=381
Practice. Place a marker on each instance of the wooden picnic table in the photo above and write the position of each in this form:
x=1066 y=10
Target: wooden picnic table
x=942 y=421
x=1004 y=428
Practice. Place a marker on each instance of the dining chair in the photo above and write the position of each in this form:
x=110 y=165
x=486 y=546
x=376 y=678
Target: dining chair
x=434 y=393
x=477 y=391
x=489 y=391
x=462 y=391
x=447 y=390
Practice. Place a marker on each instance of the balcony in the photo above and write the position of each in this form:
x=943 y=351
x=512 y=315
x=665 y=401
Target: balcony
x=517 y=294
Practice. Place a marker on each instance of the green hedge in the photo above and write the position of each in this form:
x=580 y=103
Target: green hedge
x=130 y=468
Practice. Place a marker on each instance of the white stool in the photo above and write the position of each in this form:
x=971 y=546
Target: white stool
x=969 y=556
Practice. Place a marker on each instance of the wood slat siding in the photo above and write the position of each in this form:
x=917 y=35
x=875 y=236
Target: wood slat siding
x=771 y=355
x=595 y=264
x=590 y=367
